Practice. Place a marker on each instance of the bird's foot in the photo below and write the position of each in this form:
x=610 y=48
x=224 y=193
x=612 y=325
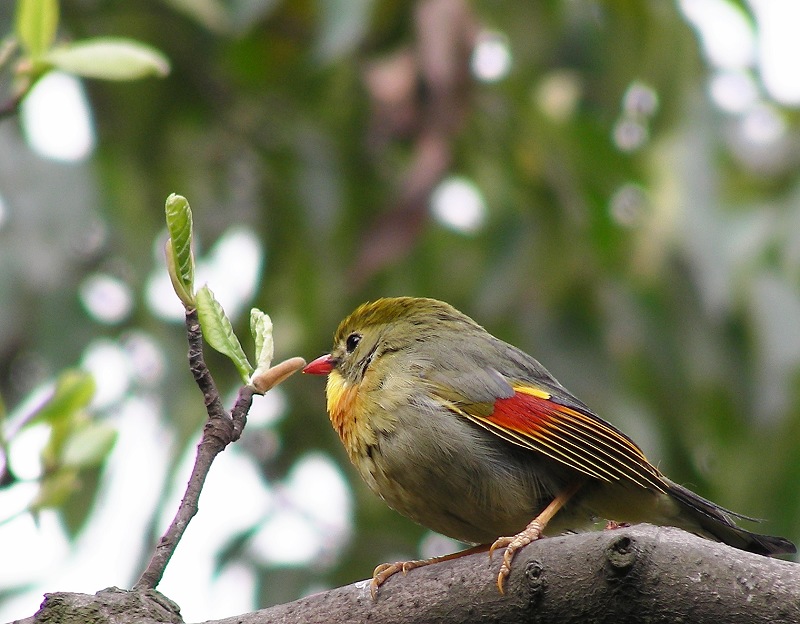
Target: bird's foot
x=386 y=570
x=512 y=544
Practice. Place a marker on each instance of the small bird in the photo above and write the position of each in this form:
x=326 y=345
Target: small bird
x=471 y=437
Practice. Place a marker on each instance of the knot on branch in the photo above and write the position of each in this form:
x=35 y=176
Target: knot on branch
x=536 y=580
x=621 y=555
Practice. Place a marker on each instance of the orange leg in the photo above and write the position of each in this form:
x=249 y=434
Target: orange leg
x=385 y=570
x=529 y=534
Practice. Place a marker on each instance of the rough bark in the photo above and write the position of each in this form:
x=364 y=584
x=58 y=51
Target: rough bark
x=636 y=574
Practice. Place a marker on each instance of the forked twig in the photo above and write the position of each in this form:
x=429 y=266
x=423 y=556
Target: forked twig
x=221 y=429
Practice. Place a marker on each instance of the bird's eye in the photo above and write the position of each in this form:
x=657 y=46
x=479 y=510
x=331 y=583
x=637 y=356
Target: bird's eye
x=352 y=342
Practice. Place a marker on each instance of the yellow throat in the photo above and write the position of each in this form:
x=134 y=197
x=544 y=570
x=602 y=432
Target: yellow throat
x=343 y=410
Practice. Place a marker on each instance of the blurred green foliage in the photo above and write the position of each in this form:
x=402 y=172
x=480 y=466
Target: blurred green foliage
x=634 y=242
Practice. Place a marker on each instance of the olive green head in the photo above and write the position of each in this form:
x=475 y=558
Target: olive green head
x=390 y=325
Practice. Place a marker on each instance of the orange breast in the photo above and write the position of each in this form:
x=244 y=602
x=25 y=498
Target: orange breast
x=344 y=411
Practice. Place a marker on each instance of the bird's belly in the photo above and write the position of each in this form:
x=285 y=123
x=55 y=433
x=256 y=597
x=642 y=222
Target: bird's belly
x=468 y=484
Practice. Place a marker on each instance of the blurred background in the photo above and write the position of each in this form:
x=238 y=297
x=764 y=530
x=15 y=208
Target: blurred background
x=612 y=186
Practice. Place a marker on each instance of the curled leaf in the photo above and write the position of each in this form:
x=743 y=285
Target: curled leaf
x=178 y=285
x=179 y=224
x=179 y=253
x=261 y=329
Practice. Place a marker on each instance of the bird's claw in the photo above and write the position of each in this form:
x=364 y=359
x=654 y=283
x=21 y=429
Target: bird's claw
x=381 y=573
x=512 y=544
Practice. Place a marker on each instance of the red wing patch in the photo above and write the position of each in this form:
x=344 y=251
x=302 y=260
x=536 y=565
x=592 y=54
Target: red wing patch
x=578 y=439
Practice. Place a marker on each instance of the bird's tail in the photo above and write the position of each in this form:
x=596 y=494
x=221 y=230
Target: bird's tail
x=717 y=522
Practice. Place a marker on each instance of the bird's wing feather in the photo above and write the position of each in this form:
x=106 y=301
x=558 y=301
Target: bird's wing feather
x=529 y=416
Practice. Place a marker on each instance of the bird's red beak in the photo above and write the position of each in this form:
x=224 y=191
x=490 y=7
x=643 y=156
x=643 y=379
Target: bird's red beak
x=321 y=366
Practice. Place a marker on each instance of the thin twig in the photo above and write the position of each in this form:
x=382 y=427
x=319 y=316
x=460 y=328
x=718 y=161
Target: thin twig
x=219 y=431
x=240 y=410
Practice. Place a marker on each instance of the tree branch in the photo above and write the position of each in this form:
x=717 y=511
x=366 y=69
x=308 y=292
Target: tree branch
x=629 y=575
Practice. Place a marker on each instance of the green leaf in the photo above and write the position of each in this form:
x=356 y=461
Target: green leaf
x=37 y=21
x=218 y=331
x=55 y=489
x=73 y=393
x=79 y=506
x=88 y=445
x=180 y=288
x=179 y=224
x=109 y=59
x=261 y=329
x=180 y=256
